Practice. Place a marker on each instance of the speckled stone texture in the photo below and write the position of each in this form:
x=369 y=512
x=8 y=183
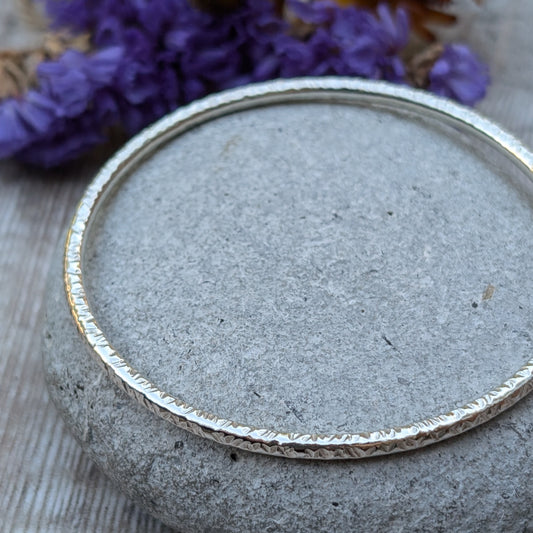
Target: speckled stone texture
x=317 y=268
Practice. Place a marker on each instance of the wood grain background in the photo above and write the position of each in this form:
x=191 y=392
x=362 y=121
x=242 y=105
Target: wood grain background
x=46 y=482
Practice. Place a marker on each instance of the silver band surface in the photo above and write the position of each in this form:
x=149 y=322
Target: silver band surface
x=268 y=441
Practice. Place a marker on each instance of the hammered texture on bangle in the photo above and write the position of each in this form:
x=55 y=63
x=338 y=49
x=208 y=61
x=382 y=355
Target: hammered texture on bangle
x=262 y=440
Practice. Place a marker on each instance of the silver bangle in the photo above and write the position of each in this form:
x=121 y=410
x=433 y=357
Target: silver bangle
x=269 y=441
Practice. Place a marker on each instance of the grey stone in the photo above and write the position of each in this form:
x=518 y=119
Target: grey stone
x=317 y=268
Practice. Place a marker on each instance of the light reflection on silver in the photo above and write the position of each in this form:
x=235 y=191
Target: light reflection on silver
x=229 y=432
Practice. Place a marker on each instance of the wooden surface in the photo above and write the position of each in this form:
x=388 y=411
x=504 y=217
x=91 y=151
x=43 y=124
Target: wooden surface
x=46 y=483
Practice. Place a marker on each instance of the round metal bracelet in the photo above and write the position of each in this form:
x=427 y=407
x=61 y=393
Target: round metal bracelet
x=229 y=432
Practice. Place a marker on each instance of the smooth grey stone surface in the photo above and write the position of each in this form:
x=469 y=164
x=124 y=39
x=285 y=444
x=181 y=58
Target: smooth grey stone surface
x=309 y=268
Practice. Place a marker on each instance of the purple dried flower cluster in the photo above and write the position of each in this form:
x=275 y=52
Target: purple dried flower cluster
x=155 y=55
x=458 y=74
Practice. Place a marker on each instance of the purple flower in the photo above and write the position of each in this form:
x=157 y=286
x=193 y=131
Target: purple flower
x=69 y=111
x=66 y=83
x=23 y=120
x=14 y=132
x=358 y=43
x=354 y=34
x=155 y=55
x=68 y=141
x=459 y=74
x=322 y=12
x=393 y=33
x=72 y=80
x=392 y=30
x=74 y=14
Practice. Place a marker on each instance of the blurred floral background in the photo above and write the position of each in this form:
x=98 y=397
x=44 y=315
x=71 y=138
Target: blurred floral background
x=108 y=66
